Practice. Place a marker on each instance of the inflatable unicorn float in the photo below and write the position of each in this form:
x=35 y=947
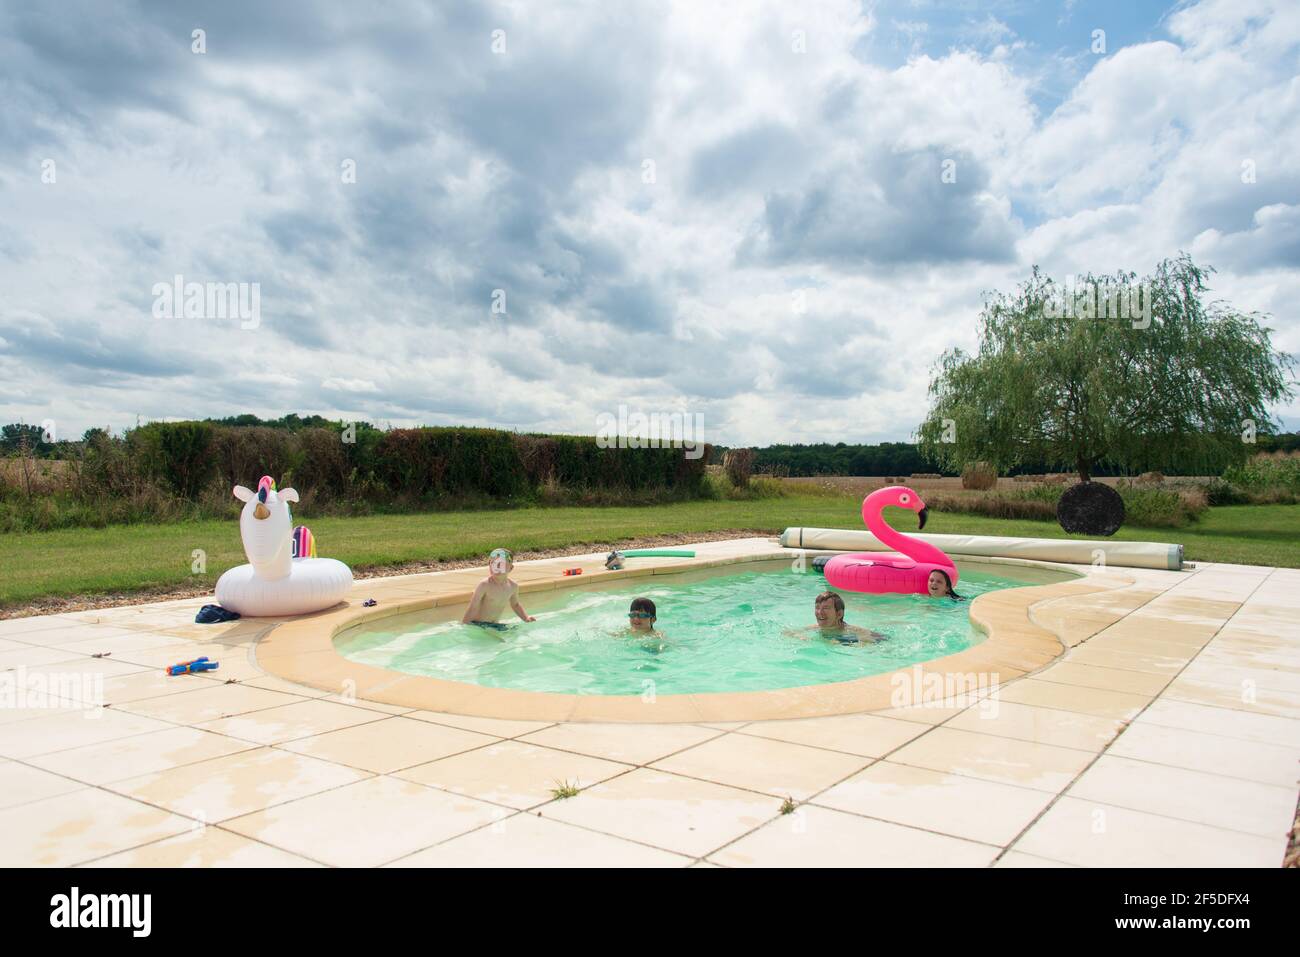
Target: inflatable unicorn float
x=907 y=570
x=283 y=575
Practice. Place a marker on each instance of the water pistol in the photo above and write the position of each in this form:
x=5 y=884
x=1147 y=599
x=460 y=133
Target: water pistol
x=192 y=667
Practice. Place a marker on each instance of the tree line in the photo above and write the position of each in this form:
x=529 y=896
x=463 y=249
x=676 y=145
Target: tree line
x=797 y=460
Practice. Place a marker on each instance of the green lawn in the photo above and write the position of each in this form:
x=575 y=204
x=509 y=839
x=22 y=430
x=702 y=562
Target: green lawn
x=125 y=558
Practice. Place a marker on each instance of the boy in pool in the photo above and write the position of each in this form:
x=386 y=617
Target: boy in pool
x=641 y=616
x=829 y=610
x=494 y=593
x=641 y=621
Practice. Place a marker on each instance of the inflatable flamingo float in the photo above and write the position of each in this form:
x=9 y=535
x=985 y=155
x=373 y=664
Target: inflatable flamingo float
x=283 y=575
x=906 y=570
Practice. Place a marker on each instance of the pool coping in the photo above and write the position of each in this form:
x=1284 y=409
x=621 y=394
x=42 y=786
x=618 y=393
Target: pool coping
x=302 y=651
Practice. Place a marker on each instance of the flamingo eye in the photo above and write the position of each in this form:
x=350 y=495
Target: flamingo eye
x=904 y=499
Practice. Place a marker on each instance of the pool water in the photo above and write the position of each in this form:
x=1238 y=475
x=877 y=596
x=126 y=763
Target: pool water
x=738 y=630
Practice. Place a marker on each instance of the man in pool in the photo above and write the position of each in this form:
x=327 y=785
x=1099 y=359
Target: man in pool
x=829 y=610
x=494 y=593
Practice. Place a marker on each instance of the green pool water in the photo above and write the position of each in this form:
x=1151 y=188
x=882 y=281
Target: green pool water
x=746 y=629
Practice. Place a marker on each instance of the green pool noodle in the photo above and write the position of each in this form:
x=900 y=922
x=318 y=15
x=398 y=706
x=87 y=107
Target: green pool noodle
x=658 y=553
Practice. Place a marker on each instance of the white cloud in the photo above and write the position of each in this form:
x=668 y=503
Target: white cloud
x=350 y=385
x=774 y=170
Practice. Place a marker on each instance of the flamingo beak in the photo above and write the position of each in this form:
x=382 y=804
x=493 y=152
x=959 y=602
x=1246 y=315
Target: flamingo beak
x=922 y=514
x=261 y=511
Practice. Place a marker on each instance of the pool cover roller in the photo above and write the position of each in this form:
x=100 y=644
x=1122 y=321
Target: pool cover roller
x=1066 y=550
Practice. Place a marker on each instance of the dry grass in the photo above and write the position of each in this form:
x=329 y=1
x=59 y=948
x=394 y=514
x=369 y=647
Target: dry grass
x=33 y=476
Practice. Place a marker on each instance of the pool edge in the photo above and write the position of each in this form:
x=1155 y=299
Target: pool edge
x=302 y=651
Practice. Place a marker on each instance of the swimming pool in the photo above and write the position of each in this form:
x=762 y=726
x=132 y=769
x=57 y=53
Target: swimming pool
x=737 y=628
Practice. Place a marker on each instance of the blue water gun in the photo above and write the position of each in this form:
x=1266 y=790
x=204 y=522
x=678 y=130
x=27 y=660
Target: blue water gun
x=193 y=667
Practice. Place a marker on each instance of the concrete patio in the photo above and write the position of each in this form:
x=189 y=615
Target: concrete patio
x=1167 y=733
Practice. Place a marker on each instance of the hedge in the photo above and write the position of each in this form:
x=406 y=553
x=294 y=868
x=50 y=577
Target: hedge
x=422 y=464
x=176 y=453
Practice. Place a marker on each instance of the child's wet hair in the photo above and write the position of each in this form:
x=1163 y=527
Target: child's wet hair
x=643 y=604
x=949 y=590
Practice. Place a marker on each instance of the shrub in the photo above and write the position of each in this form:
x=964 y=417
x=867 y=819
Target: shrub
x=1049 y=494
x=718 y=486
x=1161 y=507
x=177 y=453
x=105 y=467
x=1148 y=506
x=183 y=471
x=244 y=454
x=739 y=466
x=1150 y=478
x=580 y=463
x=688 y=472
x=323 y=467
x=409 y=462
x=979 y=475
x=1218 y=492
x=1280 y=470
x=458 y=462
x=479 y=461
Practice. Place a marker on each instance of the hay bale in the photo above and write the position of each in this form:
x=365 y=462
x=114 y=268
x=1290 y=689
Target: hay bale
x=1090 y=508
x=979 y=476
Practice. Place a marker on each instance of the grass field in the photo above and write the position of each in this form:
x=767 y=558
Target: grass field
x=138 y=557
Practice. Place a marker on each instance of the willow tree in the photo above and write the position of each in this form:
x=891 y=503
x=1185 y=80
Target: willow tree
x=1108 y=370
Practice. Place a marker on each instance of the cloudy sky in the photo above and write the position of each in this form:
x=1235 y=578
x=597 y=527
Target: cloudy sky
x=732 y=209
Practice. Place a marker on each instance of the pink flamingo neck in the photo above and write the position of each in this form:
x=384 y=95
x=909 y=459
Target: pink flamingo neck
x=913 y=548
